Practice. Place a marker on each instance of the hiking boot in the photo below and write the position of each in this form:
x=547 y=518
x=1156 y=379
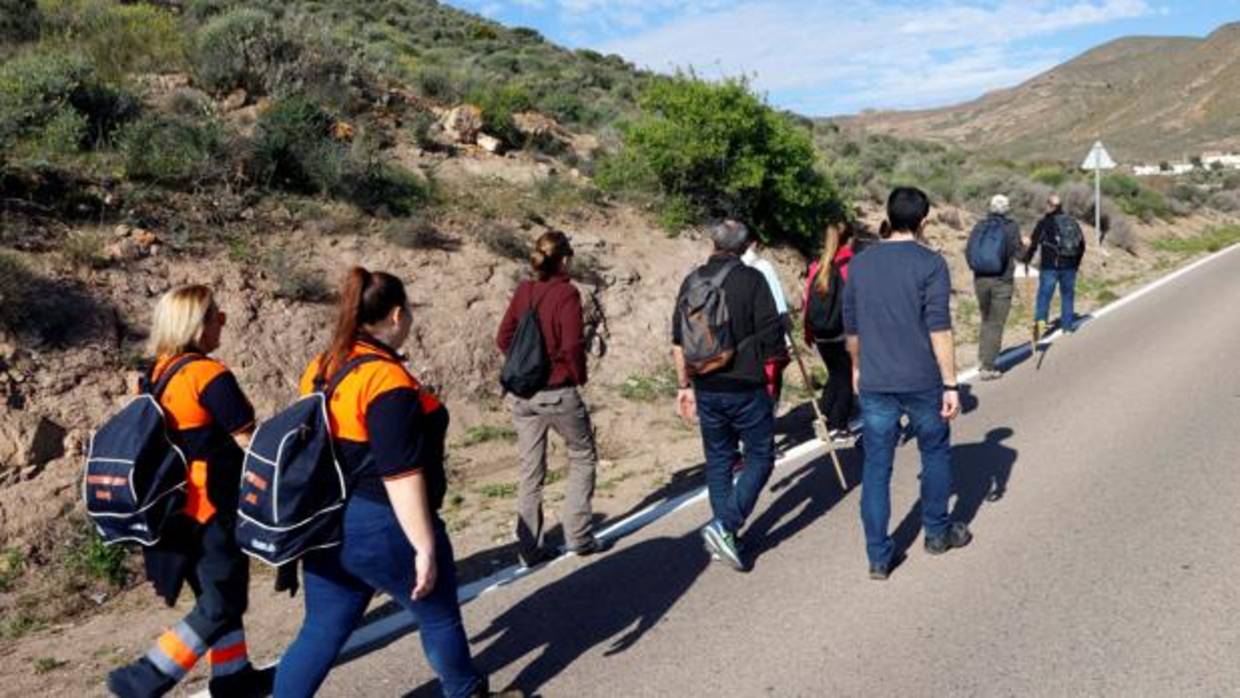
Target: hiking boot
x=483 y=691
x=139 y=680
x=957 y=536
x=591 y=546
x=880 y=573
x=536 y=557
x=990 y=374
x=723 y=544
x=247 y=683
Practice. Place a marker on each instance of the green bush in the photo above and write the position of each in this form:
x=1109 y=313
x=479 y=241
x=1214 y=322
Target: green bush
x=88 y=557
x=293 y=148
x=243 y=48
x=118 y=38
x=1051 y=175
x=498 y=106
x=47 y=95
x=20 y=21
x=36 y=87
x=170 y=150
x=717 y=148
x=382 y=187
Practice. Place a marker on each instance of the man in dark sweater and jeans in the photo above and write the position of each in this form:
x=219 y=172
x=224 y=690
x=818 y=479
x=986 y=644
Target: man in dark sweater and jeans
x=731 y=403
x=899 y=333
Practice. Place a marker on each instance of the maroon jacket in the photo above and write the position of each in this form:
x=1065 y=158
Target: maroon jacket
x=559 y=316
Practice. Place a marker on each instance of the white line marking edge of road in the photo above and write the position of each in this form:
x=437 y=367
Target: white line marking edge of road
x=397 y=624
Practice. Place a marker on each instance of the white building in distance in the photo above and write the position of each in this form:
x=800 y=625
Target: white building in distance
x=1229 y=161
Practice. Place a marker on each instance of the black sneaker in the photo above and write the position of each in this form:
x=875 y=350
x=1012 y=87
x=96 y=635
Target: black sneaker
x=139 y=680
x=957 y=536
x=247 y=683
x=536 y=557
x=590 y=547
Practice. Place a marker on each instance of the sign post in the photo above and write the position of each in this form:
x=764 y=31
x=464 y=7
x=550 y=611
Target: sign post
x=1098 y=160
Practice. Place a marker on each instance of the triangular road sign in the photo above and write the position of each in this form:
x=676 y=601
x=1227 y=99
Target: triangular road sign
x=1098 y=159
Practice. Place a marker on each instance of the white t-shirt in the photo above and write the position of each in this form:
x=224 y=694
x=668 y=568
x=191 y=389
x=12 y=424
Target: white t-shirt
x=751 y=259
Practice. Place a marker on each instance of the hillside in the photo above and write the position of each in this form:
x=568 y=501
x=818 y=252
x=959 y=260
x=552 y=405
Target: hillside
x=1149 y=98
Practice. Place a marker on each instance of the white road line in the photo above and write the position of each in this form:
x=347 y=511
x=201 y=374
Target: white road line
x=389 y=628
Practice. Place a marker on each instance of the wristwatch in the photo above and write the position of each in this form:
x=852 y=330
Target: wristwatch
x=953 y=388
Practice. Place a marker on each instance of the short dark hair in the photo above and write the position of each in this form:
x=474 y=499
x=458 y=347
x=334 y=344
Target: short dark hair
x=907 y=207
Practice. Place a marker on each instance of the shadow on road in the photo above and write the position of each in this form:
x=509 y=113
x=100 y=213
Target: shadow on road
x=979 y=470
x=618 y=598
x=614 y=600
x=810 y=492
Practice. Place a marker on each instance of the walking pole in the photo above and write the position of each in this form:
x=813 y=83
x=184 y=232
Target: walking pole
x=821 y=431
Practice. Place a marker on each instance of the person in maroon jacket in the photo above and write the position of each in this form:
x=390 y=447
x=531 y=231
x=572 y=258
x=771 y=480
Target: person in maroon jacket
x=557 y=407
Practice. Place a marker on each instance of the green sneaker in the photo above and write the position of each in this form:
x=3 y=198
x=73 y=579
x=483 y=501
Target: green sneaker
x=723 y=545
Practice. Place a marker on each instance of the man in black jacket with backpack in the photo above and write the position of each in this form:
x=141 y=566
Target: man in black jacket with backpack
x=993 y=249
x=1061 y=243
x=724 y=329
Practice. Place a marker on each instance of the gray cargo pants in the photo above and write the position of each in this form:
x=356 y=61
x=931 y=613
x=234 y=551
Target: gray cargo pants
x=994 y=300
x=564 y=411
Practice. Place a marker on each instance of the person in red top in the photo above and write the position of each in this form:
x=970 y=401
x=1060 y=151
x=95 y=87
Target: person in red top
x=211 y=420
x=825 y=287
x=557 y=407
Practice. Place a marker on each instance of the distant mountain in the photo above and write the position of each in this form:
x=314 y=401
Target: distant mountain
x=1148 y=98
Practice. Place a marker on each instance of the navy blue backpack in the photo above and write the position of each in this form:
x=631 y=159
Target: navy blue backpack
x=985 y=251
x=135 y=475
x=293 y=487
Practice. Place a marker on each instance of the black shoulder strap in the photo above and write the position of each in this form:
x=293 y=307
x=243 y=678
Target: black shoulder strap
x=157 y=390
x=348 y=368
x=722 y=275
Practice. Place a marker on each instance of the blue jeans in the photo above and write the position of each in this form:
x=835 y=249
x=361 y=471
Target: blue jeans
x=880 y=413
x=1066 y=280
x=728 y=420
x=339 y=584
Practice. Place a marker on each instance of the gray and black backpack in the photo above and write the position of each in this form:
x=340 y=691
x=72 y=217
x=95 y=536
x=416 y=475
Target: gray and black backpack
x=1069 y=240
x=705 y=329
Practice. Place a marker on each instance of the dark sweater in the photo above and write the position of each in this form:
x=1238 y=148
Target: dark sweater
x=559 y=317
x=1046 y=239
x=755 y=326
x=897 y=294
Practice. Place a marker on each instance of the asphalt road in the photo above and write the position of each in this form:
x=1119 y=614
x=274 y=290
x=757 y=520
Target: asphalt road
x=1110 y=567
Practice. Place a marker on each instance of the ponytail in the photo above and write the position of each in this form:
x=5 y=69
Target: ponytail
x=549 y=254
x=365 y=298
x=838 y=235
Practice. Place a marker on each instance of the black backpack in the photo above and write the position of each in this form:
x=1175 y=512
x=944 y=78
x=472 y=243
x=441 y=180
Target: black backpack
x=825 y=314
x=987 y=247
x=1069 y=240
x=527 y=368
x=705 y=327
x=135 y=475
x=293 y=487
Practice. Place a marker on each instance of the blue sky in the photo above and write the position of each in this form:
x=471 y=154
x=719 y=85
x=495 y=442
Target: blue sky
x=828 y=57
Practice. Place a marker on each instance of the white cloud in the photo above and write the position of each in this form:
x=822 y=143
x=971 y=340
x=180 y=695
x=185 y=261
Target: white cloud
x=845 y=55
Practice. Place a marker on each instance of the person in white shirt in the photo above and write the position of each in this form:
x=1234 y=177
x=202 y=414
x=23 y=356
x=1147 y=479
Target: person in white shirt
x=774 y=366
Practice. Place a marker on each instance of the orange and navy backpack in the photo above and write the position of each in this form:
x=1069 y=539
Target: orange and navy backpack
x=293 y=485
x=135 y=475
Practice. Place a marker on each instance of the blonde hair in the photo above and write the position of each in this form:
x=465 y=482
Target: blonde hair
x=838 y=235
x=180 y=317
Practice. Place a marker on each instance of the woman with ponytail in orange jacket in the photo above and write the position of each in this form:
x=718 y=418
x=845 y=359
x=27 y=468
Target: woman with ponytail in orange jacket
x=389 y=434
